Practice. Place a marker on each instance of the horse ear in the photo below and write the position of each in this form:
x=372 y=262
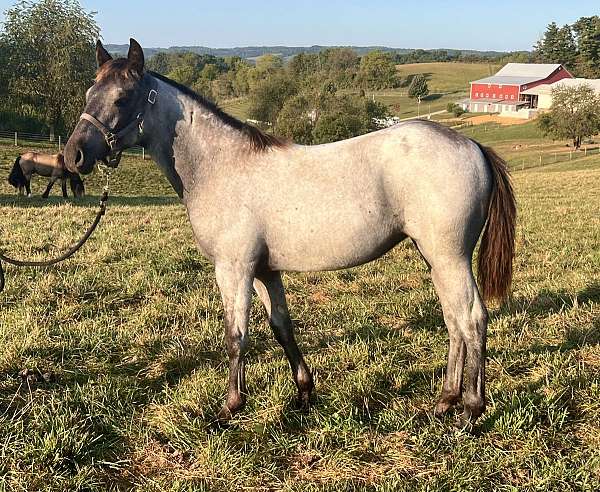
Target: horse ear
x=102 y=56
x=136 y=56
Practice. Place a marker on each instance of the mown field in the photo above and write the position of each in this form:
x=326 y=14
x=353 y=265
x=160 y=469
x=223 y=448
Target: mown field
x=127 y=362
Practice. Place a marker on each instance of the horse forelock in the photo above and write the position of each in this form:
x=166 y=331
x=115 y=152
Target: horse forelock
x=121 y=67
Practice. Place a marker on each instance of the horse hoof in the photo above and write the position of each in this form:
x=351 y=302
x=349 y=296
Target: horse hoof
x=464 y=424
x=224 y=415
x=303 y=402
x=441 y=409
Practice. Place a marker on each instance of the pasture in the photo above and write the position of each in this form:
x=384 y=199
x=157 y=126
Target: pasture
x=127 y=365
x=448 y=82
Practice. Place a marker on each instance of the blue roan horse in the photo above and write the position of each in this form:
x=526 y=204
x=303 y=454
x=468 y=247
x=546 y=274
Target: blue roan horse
x=259 y=206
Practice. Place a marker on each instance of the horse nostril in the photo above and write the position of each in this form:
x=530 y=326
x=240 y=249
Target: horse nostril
x=79 y=158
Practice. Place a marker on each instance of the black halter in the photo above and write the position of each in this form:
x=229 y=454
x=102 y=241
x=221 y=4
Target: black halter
x=113 y=138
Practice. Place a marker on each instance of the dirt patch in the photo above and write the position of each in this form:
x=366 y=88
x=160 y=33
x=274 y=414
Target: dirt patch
x=494 y=118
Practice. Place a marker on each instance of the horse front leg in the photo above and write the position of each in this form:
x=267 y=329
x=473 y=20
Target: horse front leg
x=269 y=287
x=63 y=186
x=49 y=187
x=235 y=283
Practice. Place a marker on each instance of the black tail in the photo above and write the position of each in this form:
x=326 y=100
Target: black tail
x=16 y=177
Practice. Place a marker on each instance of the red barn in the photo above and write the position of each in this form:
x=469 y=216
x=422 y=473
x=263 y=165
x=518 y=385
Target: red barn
x=503 y=92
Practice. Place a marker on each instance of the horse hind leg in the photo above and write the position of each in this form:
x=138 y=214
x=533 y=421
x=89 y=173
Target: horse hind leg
x=465 y=316
x=63 y=186
x=269 y=288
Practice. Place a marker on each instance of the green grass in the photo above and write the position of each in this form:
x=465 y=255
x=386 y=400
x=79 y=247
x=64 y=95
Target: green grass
x=524 y=146
x=448 y=83
x=237 y=107
x=130 y=334
x=449 y=77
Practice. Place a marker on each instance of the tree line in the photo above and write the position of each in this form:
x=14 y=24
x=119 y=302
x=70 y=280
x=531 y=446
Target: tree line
x=576 y=46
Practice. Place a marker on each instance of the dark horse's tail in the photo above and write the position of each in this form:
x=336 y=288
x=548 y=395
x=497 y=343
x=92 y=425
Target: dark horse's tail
x=16 y=177
x=497 y=247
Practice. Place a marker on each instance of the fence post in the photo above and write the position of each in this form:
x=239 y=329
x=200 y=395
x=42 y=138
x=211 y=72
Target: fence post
x=570 y=155
x=586 y=150
x=540 y=159
x=16 y=140
x=59 y=142
x=143 y=154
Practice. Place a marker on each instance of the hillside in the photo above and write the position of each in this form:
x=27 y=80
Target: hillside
x=250 y=52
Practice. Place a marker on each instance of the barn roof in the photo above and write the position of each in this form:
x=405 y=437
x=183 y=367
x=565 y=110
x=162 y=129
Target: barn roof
x=537 y=70
x=521 y=73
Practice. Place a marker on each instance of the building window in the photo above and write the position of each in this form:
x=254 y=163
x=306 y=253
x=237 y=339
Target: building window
x=487 y=95
x=493 y=96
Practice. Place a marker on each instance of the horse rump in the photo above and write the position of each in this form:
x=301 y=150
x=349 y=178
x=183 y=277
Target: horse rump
x=16 y=177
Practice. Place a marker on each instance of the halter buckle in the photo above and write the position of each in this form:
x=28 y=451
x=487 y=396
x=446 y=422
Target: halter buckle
x=111 y=140
x=152 y=96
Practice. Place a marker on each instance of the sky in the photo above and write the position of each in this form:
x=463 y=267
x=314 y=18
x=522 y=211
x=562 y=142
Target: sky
x=507 y=25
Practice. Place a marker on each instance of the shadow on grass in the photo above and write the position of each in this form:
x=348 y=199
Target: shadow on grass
x=548 y=302
x=88 y=201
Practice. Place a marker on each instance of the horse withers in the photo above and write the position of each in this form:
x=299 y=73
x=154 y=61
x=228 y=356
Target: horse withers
x=50 y=166
x=259 y=205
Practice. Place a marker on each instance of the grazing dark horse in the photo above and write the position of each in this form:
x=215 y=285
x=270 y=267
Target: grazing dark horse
x=50 y=166
x=259 y=206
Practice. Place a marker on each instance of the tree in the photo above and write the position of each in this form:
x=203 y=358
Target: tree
x=50 y=58
x=418 y=88
x=557 y=46
x=574 y=115
x=269 y=96
x=377 y=71
x=587 y=32
x=296 y=120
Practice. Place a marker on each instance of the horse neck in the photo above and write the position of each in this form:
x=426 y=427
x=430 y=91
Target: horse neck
x=186 y=139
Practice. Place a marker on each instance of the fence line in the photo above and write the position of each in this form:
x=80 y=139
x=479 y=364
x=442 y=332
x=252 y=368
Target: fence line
x=536 y=153
x=57 y=141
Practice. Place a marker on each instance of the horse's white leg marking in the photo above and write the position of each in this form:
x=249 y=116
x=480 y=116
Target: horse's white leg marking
x=235 y=283
x=269 y=287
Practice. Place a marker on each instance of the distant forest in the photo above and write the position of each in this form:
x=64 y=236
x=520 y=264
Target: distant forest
x=400 y=55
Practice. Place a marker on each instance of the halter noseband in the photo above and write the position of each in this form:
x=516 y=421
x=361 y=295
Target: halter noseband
x=113 y=138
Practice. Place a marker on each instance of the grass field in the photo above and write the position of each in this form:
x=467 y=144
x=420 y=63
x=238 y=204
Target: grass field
x=128 y=335
x=448 y=82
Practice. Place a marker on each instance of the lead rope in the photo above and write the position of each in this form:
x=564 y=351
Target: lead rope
x=73 y=249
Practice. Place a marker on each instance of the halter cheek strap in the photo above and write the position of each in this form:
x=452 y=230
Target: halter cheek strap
x=114 y=139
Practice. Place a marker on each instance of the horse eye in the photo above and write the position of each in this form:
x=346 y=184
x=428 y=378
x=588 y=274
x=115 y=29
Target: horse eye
x=122 y=101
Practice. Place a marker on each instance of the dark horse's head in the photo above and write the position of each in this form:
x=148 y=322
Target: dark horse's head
x=112 y=118
x=77 y=186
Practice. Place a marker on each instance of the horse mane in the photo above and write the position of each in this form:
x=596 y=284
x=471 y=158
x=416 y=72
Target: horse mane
x=259 y=140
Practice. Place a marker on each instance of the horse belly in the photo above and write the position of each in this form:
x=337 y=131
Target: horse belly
x=331 y=241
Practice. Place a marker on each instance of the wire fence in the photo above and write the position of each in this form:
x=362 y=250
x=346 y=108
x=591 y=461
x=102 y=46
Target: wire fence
x=524 y=150
x=24 y=139
x=521 y=156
